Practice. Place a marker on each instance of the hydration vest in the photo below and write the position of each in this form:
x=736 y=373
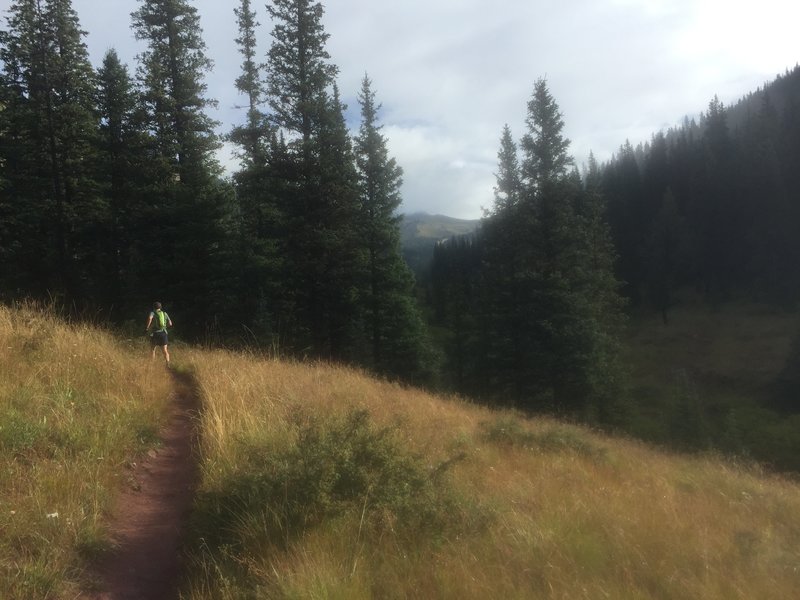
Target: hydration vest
x=161 y=318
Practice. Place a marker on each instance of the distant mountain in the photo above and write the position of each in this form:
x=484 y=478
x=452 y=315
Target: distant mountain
x=419 y=233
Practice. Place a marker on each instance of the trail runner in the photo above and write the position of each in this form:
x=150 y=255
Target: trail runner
x=160 y=320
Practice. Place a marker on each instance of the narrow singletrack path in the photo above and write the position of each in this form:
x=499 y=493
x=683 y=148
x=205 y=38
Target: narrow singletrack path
x=149 y=515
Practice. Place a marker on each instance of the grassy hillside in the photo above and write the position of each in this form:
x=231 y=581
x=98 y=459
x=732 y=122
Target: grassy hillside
x=76 y=408
x=321 y=482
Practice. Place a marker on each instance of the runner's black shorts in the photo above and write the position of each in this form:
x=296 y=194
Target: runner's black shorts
x=159 y=338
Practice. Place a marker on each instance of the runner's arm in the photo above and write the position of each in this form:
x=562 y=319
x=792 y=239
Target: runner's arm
x=149 y=322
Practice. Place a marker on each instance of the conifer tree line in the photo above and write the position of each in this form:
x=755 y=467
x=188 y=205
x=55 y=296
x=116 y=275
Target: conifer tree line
x=530 y=302
x=713 y=205
x=112 y=196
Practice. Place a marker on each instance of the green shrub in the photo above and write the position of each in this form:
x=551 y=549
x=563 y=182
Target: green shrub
x=337 y=467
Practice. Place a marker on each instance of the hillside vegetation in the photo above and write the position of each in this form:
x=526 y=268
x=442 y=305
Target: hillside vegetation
x=77 y=408
x=321 y=482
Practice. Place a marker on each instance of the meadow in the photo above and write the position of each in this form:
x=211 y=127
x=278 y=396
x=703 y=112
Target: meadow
x=708 y=380
x=320 y=481
x=78 y=407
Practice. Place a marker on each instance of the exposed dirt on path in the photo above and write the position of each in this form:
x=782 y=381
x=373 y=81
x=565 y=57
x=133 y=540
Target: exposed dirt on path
x=149 y=514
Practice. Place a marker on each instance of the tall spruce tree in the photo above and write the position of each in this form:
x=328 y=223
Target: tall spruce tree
x=51 y=122
x=393 y=324
x=550 y=291
x=299 y=73
x=558 y=305
x=318 y=193
x=122 y=169
x=187 y=256
x=340 y=242
x=172 y=71
x=509 y=187
x=546 y=158
x=478 y=291
x=257 y=189
x=505 y=279
x=255 y=135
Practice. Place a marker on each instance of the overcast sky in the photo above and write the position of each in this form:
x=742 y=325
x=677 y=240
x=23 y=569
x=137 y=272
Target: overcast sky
x=451 y=73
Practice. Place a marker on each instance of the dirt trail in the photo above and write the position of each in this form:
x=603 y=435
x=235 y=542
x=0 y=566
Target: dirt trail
x=149 y=515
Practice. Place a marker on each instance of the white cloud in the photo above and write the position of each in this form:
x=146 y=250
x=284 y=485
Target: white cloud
x=441 y=174
x=451 y=73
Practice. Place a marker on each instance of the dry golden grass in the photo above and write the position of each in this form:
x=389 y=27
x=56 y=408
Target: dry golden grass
x=545 y=510
x=527 y=508
x=75 y=407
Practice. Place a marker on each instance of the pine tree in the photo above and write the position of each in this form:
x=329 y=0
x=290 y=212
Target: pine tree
x=255 y=136
x=393 y=323
x=171 y=72
x=7 y=213
x=655 y=176
x=298 y=75
x=509 y=187
x=504 y=279
x=188 y=256
x=338 y=236
x=29 y=252
x=607 y=379
x=550 y=295
x=299 y=72
x=50 y=112
x=318 y=193
x=122 y=169
x=260 y=221
x=561 y=347
x=544 y=146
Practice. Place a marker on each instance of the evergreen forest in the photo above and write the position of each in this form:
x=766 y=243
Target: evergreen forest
x=111 y=197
